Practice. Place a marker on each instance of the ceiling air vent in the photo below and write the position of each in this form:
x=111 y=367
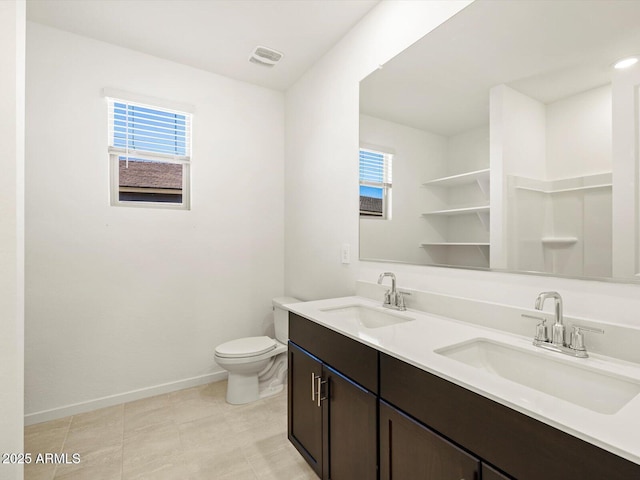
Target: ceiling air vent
x=267 y=57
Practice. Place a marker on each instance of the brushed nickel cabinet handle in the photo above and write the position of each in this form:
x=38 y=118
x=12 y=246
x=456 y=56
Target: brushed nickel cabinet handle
x=313 y=387
x=319 y=390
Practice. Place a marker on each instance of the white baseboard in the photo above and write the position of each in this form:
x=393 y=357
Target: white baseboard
x=74 y=409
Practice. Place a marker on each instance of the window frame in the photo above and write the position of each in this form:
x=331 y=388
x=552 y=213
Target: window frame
x=117 y=153
x=386 y=185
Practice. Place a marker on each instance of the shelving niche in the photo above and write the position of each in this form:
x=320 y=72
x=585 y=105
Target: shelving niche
x=463 y=223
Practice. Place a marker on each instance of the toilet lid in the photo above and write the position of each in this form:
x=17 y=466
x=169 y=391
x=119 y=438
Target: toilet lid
x=246 y=347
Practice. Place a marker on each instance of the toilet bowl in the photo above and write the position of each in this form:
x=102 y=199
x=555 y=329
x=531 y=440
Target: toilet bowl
x=257 y=366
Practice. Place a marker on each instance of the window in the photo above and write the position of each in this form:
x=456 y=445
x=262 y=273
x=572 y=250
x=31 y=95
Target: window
x=150 y=153
x=375 y=183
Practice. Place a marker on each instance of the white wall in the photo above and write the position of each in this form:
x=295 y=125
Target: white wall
x=516 y=216
x=121 y=299
x=578 y=134
x=626 y=173
x=12 y=53
x=321 y=156
x=321 y=138
x=468 y=151
x=517 y=148
x=417 y=156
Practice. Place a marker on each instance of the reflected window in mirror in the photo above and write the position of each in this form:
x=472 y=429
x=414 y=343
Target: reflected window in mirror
x=375 y=183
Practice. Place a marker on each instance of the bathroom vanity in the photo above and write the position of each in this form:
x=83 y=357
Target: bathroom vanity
x=380 y=394
x=333 y=401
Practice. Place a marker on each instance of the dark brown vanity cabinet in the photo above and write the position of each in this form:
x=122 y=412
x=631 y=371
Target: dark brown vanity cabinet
x=376 y=410
x=304 y=414
x=410 y=450
x=332 y=418
x=350 y=429
x=524 y=448
x=489 y=473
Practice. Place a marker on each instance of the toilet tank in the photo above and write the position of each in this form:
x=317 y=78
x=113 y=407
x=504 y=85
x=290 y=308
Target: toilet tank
x=281 y=317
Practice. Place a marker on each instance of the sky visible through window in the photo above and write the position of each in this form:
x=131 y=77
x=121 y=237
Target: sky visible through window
x=373 y=192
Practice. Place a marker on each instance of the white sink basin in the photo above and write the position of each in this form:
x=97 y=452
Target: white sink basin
x=368 y=317
x=597 y=390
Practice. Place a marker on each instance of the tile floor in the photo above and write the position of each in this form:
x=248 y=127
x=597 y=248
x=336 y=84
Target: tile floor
x=190 y=434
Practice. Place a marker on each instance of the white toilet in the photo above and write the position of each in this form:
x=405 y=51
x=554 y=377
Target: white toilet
x=257 y=366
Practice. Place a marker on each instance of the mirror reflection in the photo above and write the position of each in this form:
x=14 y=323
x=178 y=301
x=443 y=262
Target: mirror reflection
x=492 y=142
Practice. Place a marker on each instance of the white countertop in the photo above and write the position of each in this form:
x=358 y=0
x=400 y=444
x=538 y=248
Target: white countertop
x=415 y=342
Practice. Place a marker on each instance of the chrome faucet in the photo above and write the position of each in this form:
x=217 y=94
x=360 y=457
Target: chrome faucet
x=557 y=331
x=392 y=298
x=575 y=347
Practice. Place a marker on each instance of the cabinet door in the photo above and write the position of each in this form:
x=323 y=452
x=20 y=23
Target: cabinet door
x=350 y=424
x=489 y=473
x=409 y=450
x=304 y=414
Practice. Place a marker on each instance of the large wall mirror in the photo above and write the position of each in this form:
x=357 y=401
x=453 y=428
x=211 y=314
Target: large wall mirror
x=505 y=139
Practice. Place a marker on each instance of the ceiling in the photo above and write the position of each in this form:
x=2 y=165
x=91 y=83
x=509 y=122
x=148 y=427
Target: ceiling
x=546 y=50
x=213 y=35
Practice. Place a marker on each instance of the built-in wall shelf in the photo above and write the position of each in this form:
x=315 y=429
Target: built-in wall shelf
x=564 y=190
x=459 y=211
x=559 y=242
x=562 y=185
x=454 y=244
x=482 y=247
x=460 y=179
x=455 y=200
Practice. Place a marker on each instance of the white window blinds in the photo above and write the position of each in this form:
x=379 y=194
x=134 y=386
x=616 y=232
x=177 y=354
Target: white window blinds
x=375 y=168
x=142 y=131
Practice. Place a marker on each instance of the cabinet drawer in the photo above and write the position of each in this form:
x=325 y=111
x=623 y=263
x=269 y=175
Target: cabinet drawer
x=353 y=359
x=520 y=445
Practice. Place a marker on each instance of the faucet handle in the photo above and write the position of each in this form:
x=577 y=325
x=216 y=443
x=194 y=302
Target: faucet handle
x=387 y=297
x=541 y=331
x=400 y=299
x=541 y=328
x=577 y=338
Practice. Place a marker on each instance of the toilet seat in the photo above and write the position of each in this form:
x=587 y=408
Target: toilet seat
x=246 y=347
